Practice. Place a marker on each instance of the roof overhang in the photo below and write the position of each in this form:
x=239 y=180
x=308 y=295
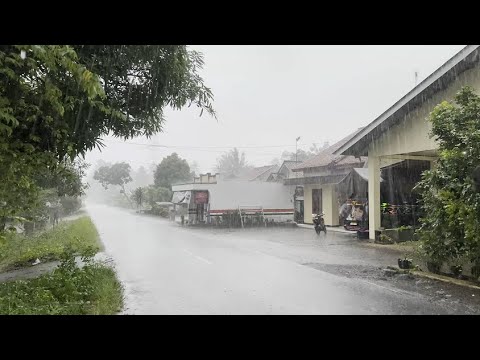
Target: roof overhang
x=465 y=59
x=315 y=180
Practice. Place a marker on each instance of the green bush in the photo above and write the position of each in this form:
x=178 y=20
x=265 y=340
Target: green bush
x=70 y=204
x=69 y=290
x=450 y=203
x=160 y=211
x=384 y=239
x=155 y=194
x=231 y=219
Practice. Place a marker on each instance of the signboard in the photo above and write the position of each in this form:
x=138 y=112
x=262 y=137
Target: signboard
x=201 y=197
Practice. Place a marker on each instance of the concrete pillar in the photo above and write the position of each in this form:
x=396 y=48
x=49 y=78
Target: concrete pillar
x=373 y=195
x=335 y=219
x=307 y=204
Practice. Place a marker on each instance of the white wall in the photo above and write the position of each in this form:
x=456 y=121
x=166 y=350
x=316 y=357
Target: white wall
x=329 y=203
x=231 y=194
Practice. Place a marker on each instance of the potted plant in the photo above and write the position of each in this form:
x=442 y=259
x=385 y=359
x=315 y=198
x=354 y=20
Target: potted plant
x=405 y=263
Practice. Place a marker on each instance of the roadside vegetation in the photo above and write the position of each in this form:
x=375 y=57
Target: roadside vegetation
x=18 y=250
x=450 y=191
x=79 y=285
x=92 y=289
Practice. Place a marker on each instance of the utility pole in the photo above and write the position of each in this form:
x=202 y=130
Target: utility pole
x=296 y=144
x=416 y=77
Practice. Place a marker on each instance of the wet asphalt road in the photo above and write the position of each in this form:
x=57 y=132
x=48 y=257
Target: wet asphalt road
x=167 y=269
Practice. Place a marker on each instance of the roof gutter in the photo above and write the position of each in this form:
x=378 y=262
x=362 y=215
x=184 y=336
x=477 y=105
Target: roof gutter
x=347 y=148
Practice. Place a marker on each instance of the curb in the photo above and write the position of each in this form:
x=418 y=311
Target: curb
x=329 y=228
x=399 y=249
x=446 y=279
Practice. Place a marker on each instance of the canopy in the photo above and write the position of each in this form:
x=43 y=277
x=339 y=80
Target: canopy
x=354 y=185
x=181 y=197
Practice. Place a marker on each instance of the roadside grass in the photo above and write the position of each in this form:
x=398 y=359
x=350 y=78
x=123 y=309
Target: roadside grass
x=92 y=289
x=85 y=287
x=77 y=235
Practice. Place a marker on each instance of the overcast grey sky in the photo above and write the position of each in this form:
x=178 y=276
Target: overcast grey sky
x=266 y=96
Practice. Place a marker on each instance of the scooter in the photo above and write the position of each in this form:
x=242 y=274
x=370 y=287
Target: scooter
x=319 y=223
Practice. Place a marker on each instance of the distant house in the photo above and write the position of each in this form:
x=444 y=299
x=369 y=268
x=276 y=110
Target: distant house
x=319 y=177
x=285 y=171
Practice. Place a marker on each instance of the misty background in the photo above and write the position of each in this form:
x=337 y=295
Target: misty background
x=267 y=96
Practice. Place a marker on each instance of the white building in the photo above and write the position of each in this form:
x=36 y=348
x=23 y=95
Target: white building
x=209 y=197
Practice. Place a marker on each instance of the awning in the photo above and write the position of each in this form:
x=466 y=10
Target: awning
x=363 y=172
x=181 y=197
x=355 y=184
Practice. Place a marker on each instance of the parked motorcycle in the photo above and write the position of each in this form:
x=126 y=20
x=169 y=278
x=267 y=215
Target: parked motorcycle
x=319 y=223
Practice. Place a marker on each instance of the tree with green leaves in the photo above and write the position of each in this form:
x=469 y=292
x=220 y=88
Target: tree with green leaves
x=154 y=194
x=151 y=195
x=64 y=99
x=171 y=170
x=117 y=174
x=66 y=178
x=139 y=196
x=141 y=177
x=451 y=203
x=232 y=163
x=58 y=101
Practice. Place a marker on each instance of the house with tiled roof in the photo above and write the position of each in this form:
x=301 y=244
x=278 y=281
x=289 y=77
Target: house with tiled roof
x=285 y=171
x=319 y=177
x=260 y=173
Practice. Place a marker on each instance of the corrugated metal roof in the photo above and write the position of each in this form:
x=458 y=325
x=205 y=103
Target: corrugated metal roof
x=317 y=180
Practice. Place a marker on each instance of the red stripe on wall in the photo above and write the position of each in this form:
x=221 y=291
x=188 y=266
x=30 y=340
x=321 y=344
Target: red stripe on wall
x=264 y=210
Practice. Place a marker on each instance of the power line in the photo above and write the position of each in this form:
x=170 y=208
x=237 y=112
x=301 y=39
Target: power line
x=208 y=147
x=198 y=147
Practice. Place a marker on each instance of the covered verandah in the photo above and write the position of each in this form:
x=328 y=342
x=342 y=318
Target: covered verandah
x=402 y=133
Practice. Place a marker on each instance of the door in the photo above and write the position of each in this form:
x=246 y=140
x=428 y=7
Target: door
x=200 y=213
x=201 y=201
x=316 y=201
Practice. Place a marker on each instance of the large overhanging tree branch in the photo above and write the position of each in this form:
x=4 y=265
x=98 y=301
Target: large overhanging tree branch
x=58 y=101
